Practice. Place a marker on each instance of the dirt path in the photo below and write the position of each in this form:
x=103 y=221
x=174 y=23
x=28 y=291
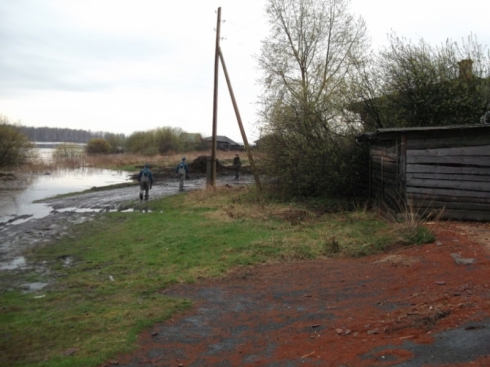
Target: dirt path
x=419 y=306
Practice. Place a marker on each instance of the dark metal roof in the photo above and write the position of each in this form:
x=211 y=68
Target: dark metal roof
x=222 y=139
x=380 y=132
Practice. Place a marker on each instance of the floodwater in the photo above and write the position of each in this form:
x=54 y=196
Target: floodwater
x=15 y=205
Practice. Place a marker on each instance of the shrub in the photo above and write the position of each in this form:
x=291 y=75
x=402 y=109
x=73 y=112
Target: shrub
x=117 y=142
x=162 y=140
x=68 y=151
x=98 y=146
x=15 y=147
x=333 y=167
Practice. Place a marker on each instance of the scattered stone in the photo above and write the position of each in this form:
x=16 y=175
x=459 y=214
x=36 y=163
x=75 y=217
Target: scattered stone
x=339 y=331
x=462 y=261
x=440 y=282
x=373 y=332
x=155 y=333
x=316 y=325
x=438 y=243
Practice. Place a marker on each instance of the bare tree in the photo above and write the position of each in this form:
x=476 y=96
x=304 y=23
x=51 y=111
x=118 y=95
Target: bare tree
x=307 y=63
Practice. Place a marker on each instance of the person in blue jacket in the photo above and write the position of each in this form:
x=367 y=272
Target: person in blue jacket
x=182 y=170
x=145 y=178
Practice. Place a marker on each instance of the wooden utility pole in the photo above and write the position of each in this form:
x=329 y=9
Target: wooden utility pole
x=239 y=119
x=215 y=102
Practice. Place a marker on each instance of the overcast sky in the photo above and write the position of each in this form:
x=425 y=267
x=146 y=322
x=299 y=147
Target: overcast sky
x=134 y=65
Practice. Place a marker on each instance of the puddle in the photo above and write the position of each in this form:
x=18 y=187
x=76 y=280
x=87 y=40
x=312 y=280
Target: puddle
x=33 y=287
x=67 y=260
x=16 y=263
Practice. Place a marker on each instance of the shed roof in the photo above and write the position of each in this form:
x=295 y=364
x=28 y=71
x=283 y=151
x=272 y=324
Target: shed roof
x=222 y=139
x=403 y=130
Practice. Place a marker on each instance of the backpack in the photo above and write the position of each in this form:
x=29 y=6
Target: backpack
x=145 y=177
x=182 y=169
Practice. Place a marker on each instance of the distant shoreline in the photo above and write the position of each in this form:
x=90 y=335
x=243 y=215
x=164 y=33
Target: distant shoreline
x=52 y=144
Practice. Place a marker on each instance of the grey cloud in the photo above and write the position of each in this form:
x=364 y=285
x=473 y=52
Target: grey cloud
x=41 y=54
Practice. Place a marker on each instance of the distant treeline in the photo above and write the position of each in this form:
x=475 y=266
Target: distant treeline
x=45 y=134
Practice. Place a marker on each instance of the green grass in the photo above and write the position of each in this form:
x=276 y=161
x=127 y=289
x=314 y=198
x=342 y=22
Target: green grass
x=183 y=239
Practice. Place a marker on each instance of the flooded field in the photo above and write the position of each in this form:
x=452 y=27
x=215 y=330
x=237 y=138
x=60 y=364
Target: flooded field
x=17 y=201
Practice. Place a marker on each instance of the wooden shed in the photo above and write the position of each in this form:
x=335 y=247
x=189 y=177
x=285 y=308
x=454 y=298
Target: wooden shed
x=432 y=168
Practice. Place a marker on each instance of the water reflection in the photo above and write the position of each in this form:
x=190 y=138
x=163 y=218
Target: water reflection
x=19 y=202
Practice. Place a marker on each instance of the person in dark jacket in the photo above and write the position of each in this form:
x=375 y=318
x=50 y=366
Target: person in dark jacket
x=182 y=170
x=237 y=163
x=145 y=178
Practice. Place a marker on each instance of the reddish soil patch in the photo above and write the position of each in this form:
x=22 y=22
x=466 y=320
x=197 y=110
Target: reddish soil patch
x=419 y=306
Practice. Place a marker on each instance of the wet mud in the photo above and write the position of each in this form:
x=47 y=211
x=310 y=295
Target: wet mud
x=413 y=307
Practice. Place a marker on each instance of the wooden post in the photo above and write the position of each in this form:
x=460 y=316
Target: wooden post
x=239 y=119
x=215 y=102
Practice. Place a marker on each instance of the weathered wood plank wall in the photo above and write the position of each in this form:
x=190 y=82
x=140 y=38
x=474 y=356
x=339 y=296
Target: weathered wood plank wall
x=442 y=168
x=451 y=172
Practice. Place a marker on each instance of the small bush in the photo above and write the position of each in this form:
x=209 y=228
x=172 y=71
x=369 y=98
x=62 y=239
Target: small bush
x=162 y=140
x=68 y=151
x=15 y=147
x=98 y=146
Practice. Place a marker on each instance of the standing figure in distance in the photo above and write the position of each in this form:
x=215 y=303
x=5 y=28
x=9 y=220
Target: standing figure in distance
x=237 y=163
x=182 y=170
x=145 y=178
